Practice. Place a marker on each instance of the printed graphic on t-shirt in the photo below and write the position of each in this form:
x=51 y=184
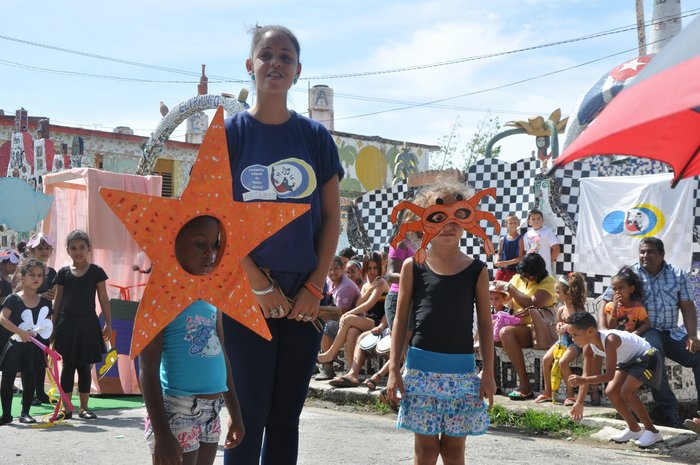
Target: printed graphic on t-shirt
x=535 y=245
x=201 y=334
x=291 y=178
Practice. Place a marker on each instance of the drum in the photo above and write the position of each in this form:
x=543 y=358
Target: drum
x=384 y=345
x=368 y=342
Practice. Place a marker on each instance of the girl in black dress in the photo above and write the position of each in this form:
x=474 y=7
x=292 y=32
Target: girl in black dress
x=41 y=247
x=25 y=314
x=79 y=339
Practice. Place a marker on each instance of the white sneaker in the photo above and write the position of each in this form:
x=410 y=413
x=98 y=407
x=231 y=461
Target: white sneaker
x=649 y=439
x=627 y=435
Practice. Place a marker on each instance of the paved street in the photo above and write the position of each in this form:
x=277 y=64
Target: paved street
x=329 y=437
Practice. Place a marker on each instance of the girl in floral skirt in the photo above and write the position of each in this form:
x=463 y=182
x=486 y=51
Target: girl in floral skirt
x=441 y=394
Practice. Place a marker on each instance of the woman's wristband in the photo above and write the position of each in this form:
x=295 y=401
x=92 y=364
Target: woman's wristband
x=266 y=291
x=314 y=290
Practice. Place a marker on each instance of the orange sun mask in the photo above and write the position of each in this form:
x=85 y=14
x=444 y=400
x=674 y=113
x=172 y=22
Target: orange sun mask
x=435 y=217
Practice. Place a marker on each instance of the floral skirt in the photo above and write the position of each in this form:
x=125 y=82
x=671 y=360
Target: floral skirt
x=442 y=403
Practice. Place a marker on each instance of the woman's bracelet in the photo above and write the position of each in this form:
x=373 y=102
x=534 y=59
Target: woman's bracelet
x=314 y=290
x=266 y=291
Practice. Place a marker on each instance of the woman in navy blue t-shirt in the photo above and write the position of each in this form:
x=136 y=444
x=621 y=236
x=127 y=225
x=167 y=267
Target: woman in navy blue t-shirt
x=278 y=155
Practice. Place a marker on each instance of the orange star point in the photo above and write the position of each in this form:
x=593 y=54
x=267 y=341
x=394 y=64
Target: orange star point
x=154 y=222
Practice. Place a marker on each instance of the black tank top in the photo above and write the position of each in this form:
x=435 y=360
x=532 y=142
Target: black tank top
x=444 y=309
x=377 y=312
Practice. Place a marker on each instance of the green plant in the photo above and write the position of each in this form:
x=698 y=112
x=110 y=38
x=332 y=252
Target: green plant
x=538 y=422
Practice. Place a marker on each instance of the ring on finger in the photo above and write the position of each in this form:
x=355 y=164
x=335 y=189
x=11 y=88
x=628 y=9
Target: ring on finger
x=274 y=313
x=307 y=318
x=281 y=310
x=300 y=316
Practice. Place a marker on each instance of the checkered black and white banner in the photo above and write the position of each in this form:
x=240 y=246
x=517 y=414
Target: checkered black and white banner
x=514 y=183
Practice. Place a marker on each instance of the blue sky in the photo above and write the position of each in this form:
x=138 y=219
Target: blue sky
x=336 y=38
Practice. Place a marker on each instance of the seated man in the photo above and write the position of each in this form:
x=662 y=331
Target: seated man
x=666 y=290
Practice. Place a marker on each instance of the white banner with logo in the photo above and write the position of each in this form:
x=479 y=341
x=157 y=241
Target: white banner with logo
x=615 y=213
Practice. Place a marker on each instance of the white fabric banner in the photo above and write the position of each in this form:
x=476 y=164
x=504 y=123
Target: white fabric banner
x=615 y=213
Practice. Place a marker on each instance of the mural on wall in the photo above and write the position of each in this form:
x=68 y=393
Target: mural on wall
x=371 y=165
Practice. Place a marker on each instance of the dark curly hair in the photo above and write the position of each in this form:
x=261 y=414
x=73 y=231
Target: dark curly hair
x=628 y=275
x=532 y=265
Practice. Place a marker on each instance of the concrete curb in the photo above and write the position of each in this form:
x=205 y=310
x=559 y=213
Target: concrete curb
x=676 y=441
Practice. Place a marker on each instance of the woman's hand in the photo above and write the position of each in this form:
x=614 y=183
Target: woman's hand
x=305 y=306
x=273 y=305
x=561 y=328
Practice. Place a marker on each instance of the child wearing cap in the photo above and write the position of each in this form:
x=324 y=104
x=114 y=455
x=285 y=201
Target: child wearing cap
x=501 y=314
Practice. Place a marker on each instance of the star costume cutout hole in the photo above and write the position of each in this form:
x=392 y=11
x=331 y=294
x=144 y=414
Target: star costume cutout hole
x=154 y=223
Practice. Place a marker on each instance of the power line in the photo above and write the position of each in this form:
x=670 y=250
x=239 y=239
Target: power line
x=224 y=79
x=497 y=54
x=532 y=78
x=100 y=76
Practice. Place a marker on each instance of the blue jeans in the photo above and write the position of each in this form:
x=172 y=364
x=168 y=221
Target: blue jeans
x=675 y=350
x=272 y=380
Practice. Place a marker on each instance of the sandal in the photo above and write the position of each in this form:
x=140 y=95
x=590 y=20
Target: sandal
x=371 y=383
x=343 y=382
x=86 y=414
x=541 y=399
x=517 y=395
x=569 y=402
x=692 y=426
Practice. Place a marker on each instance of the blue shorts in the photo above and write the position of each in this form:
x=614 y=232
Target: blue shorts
x=192 y=420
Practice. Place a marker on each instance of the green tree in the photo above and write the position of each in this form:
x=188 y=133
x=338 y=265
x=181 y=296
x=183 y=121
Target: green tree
x=454 y=154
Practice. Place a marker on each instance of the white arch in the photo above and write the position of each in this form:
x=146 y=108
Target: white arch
x=154 y=145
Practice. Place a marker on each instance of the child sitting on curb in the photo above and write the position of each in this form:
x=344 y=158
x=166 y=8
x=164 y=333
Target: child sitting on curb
x=630 y=361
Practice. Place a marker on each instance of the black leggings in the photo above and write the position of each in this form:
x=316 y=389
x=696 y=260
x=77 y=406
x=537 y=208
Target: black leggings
x=68 y=375
x=7 y=385
x=40 y=382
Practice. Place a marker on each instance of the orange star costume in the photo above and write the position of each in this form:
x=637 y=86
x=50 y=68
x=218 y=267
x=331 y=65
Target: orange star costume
x=154 y=222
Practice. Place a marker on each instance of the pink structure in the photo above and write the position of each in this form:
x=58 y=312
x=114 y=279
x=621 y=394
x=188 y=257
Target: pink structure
x=77 y=205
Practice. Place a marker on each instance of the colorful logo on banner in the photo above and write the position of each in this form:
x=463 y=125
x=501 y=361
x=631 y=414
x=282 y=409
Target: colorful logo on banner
x=643 y=220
